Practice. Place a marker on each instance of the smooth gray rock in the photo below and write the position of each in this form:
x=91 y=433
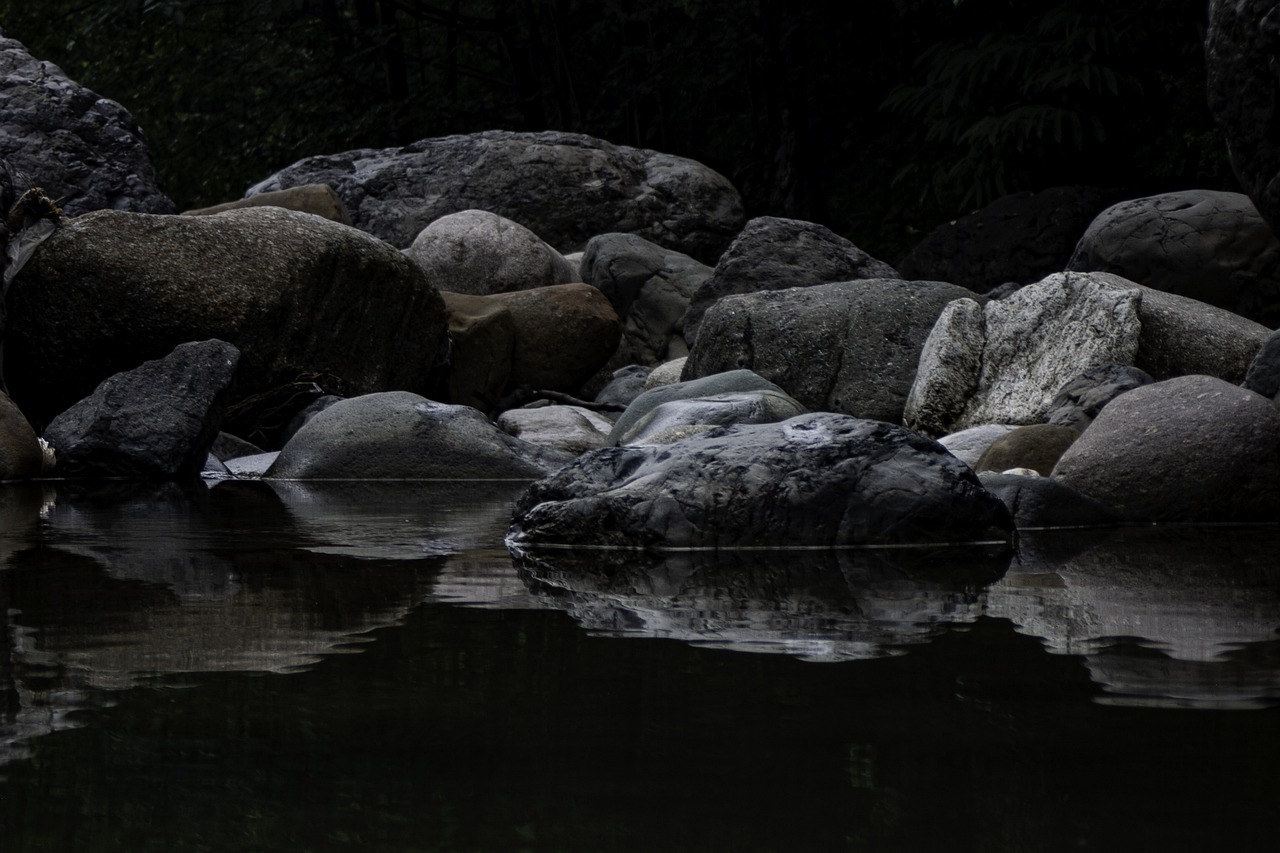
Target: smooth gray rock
x=1204 y=244
x=227 y=446
x=477 y=252
x=818 y=480
x=1032 y=343
x=650 y=288
x=1263 y=376
x=1080 y=400
x=397 y=435
x=155 y=422
x=627 y=384
x=1038 y=502
x=570 y=429
x=301 y=297
x=252 y=467
x=773 y=254
x=849 y=347
x=667 y=373
x=84 y=150
x=1191 y=449
x=565 y=187
x=722 y=383
x=1182 y=336
x=740 y=407
x=1036 y=447
x=968 y=445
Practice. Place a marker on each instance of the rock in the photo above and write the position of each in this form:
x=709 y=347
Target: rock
x=849 y=347
x=968 y=445
x=21 y=457
x=650 y=288
x=1207 y=245
x=481 y=253
x=723 y=383
x=396 y=435
x=1019 y=238
x=740 y=407
x=300 y=297
x=1263 y=376
x=155 y=422
x=1036 y=447
x=817 y=480
x=564 y=334
x=1191 y=449
x=1182 y=337
x=570 y=429
x=773 y=254
x=252 y=467
x=667 y=373
x=1038 y=501
x=227 y=446
x=299 y=420
x=627 y=384
x=1024 y=348
x=84 y=150
x=1080 y=400
x=1244 y=95
x=565 y=187
x=482 y=335
x=316 y=199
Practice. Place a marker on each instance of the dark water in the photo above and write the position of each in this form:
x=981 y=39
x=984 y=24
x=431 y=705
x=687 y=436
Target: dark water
x=356 y=668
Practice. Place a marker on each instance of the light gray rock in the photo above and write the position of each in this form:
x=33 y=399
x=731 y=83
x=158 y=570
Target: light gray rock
x=774 y=254
x=968 y=445
x=723 y=383
x=252 y=467
x=849 y=347
x=627 y=384
x=571 y=429
x=480 y=253
x=1033 y=343
x=565 y=187
x=741 y=407
x=667 y=373
x=397 y=435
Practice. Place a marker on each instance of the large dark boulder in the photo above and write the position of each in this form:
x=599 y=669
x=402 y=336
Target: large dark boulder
x=298 y=295
x=817 y=480
x=1244 y=94
x=773 y=254
x=565 y=187
x=1080 y=400
x=83 y=149
x=155 y=422
x=848 y=347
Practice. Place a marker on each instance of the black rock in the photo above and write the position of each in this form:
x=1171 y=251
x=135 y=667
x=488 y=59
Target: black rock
x=1080 y=400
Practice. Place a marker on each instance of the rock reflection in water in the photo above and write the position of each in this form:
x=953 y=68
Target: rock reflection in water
x=816 y=605
x=1164 y=616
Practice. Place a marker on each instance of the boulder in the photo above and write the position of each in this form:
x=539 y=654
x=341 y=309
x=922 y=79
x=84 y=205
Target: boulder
x=1244 y=94
x=1263 y=376
x=84 y=150
x=740 y=407
x=817 y=480
x=397 y=435
x=773 y=254
x=317 y=199
x=1039 y=502
x=570 y=429
x=1204 y=244
x=722 y=383
x=1182 y=336
x=849 y=347
x=1018 y=238
x=477 y=252
x=1004 y=362
x=1036 y=447
x=482 y=336
x=1190 y=449
x=968 y=445
x=1080 y=400
x=667 y=373
x=20 y=454
x=299 y=296
x=566 y=187
x=627 y=384
x=563 y=334
x=155 y=422
x=650 y=288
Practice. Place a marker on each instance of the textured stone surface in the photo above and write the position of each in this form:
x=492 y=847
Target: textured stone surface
x=1080 y=400
x=1191 y=449
x=570 y=429
x=741 y=407
x=667 y=373
x=820 y=479
x=627 y=384
x=316 y=199
x=565 y=187
x=1263 y=376
x=1035 y=446
x=477 y=252
x=1182 y=336
x=968 y=445
x=729 y=382
x=563 y=334
x=849 y=347
x=299 y=296
x=397 y=435
x=154 y=422
x=773 y=254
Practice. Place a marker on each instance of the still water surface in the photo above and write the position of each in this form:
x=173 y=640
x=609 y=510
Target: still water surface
x=358 y=667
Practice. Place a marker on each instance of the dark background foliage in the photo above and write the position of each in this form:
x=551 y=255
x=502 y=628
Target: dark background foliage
x=878 y=119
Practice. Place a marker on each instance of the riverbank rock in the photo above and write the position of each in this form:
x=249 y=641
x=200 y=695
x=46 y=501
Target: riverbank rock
x=1191 y=449
x=627 y=384
x=155 y=422
x=849 y=347
x=1263 y=375
x=482 y=341
x=481 y=253
x=650 y=288
x=397 y=435
x=569 y=429
x=565 y=187
x=317 y=199
x=563 y=334
x=968 y=445
x=1037 y=502
x=84 y=150
x=299 y=296
x=1037 y=447
x=1204 y=244
x=772 y=254
x=1183 y=336
x=21 y=457
x=729 y=382
x=1080 y=400
x=819 y=480
x=677 y=418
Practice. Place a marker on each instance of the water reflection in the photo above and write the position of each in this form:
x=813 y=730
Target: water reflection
x=816 y=605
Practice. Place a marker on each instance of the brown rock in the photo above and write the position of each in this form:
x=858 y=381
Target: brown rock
x=564 y=334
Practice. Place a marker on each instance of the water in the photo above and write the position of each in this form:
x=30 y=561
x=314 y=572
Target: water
x=365 y=668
